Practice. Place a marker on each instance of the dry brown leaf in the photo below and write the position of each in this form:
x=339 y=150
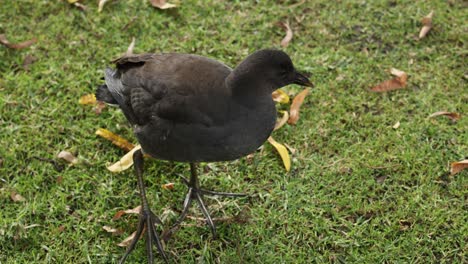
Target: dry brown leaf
x=79 y=5
x=120 y=213
x=280 y=96
x=116 y=139
x=21 y=45
x=456 y=167
x=113 y=231
x=101 y=4
x=87 y=99
x=296 y=104
x=16 y=197
x=28 y=60
x=289 y=34
x=67 y=156
x=427 y=25
x=398 y=82
x=127 y=240
x=282 y=151
x=125 y=162
x=168 y=186
x=99 y=107
x=162 y=4
x=61 y=228
x=452 y=115
x=282 y=121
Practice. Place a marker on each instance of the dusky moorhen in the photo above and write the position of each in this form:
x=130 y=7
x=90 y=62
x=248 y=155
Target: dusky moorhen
x=189 y=108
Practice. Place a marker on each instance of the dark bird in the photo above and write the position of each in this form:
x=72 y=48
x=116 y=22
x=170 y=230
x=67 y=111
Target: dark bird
x=189 y=108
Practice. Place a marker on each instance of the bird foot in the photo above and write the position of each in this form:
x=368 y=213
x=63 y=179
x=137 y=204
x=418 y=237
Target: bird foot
x=197 y=195
x=147 y=219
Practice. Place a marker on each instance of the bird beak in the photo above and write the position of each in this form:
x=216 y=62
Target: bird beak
x=302 y=80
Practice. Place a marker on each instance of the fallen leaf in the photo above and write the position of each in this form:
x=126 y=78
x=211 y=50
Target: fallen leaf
x=289 y=34
x=282 y=121
x=99 y=107
x=398 y=82
x=116 y=139
x=87 y=99
x=130 y=48
x=28 y=60
x=427 y=25
x=101 y=4
x=161 y=4
x=72 y=1
x=396 y=125
x=452 y=115
x=296 y=104
x=16 y=197
x=125 y=162
x=80 y=6
x=67 y=156
x=61 y=228
x=59 y=179
x=280 y=96
x=405 y=224
x=120 y=213
x=456 y=167
x=168 y=186
x=113 y=231
x=21 y=45
x=283 y=153
x=127 y=240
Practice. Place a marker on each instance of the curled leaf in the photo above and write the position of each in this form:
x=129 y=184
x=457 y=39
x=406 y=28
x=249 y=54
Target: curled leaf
x=130 y=47
x=162 y=4
x=101 y=4
x=125 y=162
x=289 y=34
x=427 y=25
x=283 y=153
x=456 y=167
x=282 y=121
x=120 y=213
x=127 y=240
x=116 y=139
x=398 y=82
x=451 y=115
x=16 y=197
x=168 y=186
x=396 y=125
x=87 y=99
x=296 y=104
x=114 y=231
x=67 y=156
x=4 y=41
x=280 y=96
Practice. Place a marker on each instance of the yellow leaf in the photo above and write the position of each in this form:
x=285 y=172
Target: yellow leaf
x=72 y=1
x=280 y=96
x=125 y=162
x=283 y=153
x=87 y=99
x=282 y=121
x=116 y=139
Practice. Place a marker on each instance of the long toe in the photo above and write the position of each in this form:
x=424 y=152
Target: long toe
x=147 y=219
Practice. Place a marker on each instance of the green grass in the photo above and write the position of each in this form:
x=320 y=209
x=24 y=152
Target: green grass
x=328 y=208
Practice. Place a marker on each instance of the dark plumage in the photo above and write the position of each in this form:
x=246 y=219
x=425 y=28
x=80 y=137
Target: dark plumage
x=190 y=108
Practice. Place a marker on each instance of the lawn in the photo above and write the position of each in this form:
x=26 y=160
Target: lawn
x=361 y=188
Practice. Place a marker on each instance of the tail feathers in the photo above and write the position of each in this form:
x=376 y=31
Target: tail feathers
x=103 y=94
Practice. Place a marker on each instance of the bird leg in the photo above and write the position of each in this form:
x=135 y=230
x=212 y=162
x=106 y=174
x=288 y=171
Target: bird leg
x=196 y=193
x=147 y=218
